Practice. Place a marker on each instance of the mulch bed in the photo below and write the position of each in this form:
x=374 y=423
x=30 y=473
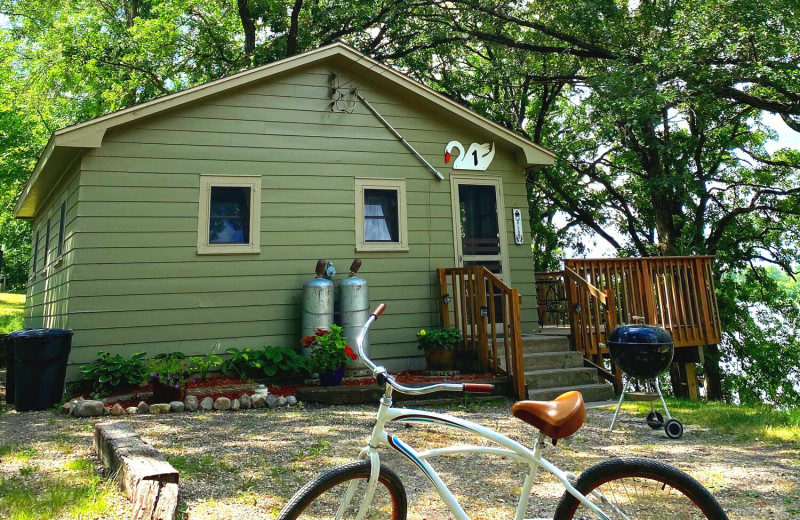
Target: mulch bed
x=231 y=387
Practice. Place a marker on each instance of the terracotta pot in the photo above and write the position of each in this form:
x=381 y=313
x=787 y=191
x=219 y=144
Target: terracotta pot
x=332 y=377
x=440 y=359
x=165 y=394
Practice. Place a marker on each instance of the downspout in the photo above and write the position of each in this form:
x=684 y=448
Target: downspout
x=400 y=137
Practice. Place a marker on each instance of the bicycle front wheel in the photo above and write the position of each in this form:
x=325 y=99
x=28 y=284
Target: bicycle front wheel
x=339 y=492
x=636 y=488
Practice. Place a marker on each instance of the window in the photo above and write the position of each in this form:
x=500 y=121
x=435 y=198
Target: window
x=46 y=245
x=35 y=252
x=61 y=229
x=381 y=215
x=230 y=215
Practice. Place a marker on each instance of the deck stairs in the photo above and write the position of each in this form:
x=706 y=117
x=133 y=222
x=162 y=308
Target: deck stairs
x=551 y=369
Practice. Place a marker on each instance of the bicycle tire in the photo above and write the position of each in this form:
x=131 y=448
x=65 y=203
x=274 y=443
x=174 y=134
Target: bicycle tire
x=320 y=498
x=640 y=488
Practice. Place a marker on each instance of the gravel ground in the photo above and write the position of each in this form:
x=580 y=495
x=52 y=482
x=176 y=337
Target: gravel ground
x=245 y=465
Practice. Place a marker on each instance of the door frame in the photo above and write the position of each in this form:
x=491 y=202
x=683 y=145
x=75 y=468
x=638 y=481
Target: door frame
x=497 y=182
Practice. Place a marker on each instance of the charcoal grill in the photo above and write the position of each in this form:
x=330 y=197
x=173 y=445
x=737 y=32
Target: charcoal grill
x=643 y=352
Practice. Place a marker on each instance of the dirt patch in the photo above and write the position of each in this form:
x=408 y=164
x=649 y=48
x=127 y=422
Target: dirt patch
x=245 y=465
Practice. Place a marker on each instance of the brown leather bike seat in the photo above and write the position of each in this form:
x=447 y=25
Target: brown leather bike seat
x=558 y=418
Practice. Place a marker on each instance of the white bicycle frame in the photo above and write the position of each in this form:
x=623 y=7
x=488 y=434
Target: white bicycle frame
x=506 y=447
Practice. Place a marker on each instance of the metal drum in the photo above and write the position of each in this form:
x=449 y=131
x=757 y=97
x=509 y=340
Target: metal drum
x=317 y=303
x=641 y=351
x=354 y=304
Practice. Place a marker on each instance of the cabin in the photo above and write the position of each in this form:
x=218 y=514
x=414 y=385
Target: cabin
x=193 y=220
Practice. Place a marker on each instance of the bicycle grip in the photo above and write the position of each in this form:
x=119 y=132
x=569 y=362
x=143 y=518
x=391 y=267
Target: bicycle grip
x=478 y=388
x=379 y=310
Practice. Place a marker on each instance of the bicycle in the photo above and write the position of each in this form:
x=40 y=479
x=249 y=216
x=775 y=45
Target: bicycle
x=619 y=488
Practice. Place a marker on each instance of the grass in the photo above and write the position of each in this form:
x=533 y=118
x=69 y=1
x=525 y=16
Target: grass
x=76 y=491
x=747 y=423
x=11 y=310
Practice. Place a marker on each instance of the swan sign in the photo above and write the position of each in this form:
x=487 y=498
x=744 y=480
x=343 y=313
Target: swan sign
x=477 y=157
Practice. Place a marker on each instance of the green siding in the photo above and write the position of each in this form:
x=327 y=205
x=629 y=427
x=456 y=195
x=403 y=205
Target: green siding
x=135 y=281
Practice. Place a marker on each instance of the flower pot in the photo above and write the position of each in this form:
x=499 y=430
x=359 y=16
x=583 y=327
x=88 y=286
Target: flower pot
x=440 y=359
x=332 y=377
x=165 y=393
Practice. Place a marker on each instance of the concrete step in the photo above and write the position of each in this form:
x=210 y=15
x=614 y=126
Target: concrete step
x=548 y=360
x=536 y=379
x=591 y=392
x=536 y=343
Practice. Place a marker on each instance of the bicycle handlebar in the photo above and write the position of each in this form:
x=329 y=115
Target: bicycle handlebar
x=379 y=371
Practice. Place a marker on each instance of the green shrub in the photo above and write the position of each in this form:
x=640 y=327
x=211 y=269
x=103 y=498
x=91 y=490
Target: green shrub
x=436 y=339
x=170 y=369
x=204 y=364
x=270 y=361
x=113 y=372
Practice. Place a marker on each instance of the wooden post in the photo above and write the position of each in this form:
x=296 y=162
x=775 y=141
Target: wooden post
x=647 y=293
x=483 y=342
x=691 y=380
x=519 y=367
x=444 y=312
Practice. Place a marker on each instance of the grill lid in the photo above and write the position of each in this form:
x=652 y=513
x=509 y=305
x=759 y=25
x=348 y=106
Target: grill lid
x=639 y=335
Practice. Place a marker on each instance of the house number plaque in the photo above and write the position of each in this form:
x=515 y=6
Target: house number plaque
x=518 y=238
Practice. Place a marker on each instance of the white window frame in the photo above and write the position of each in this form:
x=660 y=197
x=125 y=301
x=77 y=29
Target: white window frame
x=229 y=181
x=399 y=185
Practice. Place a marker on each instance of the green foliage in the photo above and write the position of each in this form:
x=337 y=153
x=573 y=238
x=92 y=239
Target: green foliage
x=269 y=361
x=329 y=350
x=438 y=339
x=11 y=312
x=170 y=369
x=110 y=372
x=204 y=364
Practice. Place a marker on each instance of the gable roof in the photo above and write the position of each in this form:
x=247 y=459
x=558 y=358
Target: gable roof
x=66 y=144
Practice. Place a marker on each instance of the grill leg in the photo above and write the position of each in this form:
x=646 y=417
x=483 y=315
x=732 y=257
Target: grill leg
x=661 y=396
x=619 y=405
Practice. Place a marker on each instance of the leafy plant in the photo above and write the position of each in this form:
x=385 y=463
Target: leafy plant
x=170 y=369
x=113 y=372
x=281 y=360
x=438 y=339
x=204 y=364
x=329 y=350
x=269 y=361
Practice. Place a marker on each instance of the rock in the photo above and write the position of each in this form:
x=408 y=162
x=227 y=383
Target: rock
x=106 y=411
x=132 y=410
x=88 y=409
x=259 y=401
x=244 y=400
x=191 y=403
x=159 y=409
x=143 y=408
x=222 y=403
x=291 y=400
x=262 y=391
x=117 y=410
x=66 y=408
x=207 y=404
x=176 y=406
x=282 y=401
x=235 y=405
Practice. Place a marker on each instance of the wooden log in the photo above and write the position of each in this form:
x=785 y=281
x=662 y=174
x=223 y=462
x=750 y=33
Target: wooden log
x=143 y=472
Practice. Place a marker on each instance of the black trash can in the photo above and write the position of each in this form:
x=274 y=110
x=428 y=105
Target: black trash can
x=40 y=359
x=7 y=346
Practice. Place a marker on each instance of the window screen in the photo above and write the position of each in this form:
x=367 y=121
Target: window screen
x=380 y=216
x=229 y=220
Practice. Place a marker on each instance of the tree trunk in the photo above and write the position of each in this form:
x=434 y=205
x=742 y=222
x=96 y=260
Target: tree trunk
x=249 y=28
x=291 y=40
x=712 y=380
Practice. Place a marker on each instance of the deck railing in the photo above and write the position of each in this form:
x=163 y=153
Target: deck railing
x=676 y=293
x=487 y=312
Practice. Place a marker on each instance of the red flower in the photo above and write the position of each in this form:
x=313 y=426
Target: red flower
x=308 y=340
x=349 y=352
x=320 y=332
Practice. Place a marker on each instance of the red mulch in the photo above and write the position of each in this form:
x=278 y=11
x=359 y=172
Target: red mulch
x=408 y=377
